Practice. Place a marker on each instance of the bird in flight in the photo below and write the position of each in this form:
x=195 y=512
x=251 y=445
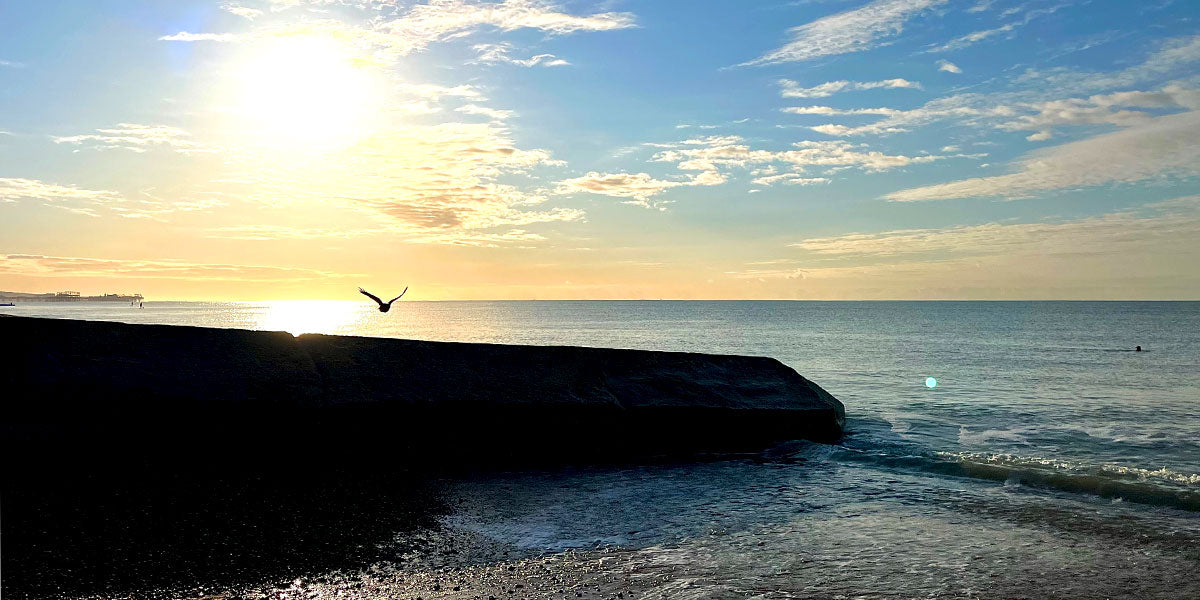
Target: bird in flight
x=383 y=306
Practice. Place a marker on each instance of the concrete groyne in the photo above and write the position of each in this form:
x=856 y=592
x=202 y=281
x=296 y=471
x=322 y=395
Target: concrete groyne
x=85 y=389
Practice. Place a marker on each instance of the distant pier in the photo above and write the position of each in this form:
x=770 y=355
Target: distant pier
x=67 y=297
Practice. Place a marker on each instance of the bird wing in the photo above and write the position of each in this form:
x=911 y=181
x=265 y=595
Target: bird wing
x=370 y=295
x=398 y=297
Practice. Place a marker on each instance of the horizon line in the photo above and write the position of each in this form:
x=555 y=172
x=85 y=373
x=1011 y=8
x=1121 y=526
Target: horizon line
x=689 y=300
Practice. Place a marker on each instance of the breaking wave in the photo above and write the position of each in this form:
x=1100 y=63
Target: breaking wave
x=1159 y=487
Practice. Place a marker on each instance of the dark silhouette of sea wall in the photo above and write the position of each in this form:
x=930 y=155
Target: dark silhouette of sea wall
x=147 y=457
x=86 y=390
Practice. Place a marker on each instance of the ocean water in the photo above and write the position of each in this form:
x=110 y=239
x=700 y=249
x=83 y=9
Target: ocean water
x=1047 y=460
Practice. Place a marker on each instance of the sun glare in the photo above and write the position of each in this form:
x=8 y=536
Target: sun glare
x=306 y=92
x=310 y=316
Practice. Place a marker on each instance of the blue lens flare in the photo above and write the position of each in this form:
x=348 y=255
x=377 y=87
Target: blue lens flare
x=930 y=382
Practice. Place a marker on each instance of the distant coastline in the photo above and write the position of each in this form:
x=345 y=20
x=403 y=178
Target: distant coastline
x=67 y=297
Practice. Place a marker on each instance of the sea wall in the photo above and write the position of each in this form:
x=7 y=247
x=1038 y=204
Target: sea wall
x=84 y=389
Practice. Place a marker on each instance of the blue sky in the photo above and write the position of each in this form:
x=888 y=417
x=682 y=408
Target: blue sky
x=621 y=149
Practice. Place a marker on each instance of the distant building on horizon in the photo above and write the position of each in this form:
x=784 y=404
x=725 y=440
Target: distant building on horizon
x=68 y=296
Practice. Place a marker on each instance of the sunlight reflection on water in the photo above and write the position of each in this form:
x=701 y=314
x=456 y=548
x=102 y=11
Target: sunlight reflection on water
x=310 y=316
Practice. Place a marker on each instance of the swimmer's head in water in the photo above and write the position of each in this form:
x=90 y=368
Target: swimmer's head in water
x=1138 y=349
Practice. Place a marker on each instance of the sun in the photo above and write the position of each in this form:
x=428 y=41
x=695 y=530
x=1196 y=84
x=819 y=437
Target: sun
x=306 y=92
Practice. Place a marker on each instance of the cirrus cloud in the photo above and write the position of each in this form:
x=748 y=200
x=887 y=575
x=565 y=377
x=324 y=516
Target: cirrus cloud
x=791 y=89
x=850 y=31
x=186 y=36
x=498 y=53
x=137 y=138
x=947 y=66
x=13 y=189
x=1164 y=147
x=641 y=187
x=432 y=22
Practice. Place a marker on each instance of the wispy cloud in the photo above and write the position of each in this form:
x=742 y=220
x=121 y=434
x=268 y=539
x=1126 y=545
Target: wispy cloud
x=12 y=64
x=789 y=179
x=432 y=22
x=138 y=138
x=242 y=11
x=1083 y=257
x=640 y=187
x=1106 y=234
x=978 y=36
x=1015 y=111
x=851 y=31
x=185 y=36
x=981 y=6
x=829 y=110
x=433 y=91
x=413 y=98
x=1112 y=109
x=491 y=113
x=12 y=190
x=949 y=67
x=965 y=109
x=972 y=38
x=1038 y=103
x=713 y=157
x=94 y=203
x=436 y=179
x=791 y=89
x=1174 y=55
x=1067 y=259
x=440 y=18
x=498 y=53
x=58 y=266
x=720 y=152
x=150 y=206
x=1167 y=146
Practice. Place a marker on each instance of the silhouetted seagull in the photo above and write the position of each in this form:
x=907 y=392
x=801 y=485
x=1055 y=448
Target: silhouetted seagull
x=383 y=306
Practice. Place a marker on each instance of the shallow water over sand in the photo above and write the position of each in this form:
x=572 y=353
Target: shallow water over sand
x=1050 y=461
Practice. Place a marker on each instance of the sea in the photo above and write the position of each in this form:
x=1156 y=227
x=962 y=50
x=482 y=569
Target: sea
x=992 y=450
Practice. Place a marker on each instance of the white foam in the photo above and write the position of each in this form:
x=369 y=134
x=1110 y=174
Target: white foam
x=1147 y=474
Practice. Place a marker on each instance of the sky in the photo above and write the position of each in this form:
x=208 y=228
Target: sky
x=540 y=149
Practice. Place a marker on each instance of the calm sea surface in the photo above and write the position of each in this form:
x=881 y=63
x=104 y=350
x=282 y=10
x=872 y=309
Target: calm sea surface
x=1047 y=460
